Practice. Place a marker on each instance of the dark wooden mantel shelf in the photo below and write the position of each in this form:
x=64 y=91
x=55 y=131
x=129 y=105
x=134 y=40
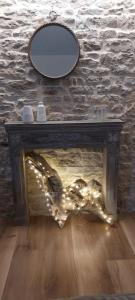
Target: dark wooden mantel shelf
x=36 y=125
x=64 y=134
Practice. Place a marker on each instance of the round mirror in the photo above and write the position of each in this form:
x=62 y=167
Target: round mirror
x=54 y=50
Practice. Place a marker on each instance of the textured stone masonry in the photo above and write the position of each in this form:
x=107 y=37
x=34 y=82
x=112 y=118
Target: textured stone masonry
x=105 y=75
x=70 y=164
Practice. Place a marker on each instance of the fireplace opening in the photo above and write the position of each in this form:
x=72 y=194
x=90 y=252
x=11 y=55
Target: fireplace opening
x=65 y=181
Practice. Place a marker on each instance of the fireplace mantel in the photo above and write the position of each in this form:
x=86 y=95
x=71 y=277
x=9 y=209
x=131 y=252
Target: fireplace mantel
x=92 y=133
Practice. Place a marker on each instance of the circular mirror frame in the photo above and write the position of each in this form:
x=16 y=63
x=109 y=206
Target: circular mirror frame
x=30 y=42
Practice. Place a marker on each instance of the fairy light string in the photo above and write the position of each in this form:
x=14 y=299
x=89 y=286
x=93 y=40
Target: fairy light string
x=79 y=196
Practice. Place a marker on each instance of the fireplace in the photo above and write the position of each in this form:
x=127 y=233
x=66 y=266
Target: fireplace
x=68 y=148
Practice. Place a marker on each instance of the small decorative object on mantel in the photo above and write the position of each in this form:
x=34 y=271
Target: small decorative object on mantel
x=41 y=112
x=27 y=114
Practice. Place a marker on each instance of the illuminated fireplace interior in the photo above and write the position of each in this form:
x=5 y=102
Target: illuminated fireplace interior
x=61 y=182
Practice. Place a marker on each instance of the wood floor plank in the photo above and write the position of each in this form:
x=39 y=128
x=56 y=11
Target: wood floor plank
x=58 y=278
x=8 y=239
x=43 y=266
x=116 y=245
x=88 y=247
x=122 y=273
x=82 y=258
x=128 y=226
x=20 y=278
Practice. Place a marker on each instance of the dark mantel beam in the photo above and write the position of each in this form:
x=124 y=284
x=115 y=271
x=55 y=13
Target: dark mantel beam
x=93 y=123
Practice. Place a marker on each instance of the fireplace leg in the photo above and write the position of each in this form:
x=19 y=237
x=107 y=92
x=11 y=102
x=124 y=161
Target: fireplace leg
x=19 y=186
x=110 y=176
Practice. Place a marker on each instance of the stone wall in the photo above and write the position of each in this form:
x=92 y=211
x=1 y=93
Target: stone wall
x=105 y=75
x=70 y=164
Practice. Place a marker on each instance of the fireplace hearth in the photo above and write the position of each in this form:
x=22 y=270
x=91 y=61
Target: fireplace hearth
x=63 y=139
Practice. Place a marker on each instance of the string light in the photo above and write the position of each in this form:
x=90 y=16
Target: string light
x=78 y=196
x=32 y=167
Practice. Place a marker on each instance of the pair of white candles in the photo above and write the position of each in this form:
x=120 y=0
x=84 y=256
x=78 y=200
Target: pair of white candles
x=28 y=116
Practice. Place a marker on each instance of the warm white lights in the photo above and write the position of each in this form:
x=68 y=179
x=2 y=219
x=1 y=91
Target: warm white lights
x=32 y=167
x=84 y=191
x=76 y=197
x=96 y=194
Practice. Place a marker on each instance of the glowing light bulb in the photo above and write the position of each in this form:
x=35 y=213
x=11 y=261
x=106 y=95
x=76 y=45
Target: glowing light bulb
x=96 y=194
x=47 y=194
x=60 y=223
x=109 y=220
x=84 y=191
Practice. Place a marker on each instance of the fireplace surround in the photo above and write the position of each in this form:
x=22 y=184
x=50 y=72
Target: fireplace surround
x=94 y=134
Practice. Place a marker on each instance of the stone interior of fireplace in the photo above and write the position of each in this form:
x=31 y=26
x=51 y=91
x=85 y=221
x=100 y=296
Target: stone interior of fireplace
x=70 y=165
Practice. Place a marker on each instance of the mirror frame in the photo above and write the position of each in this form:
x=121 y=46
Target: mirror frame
x=29 y=49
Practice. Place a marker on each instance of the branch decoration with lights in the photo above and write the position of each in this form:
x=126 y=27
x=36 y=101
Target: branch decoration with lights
x=80 y=196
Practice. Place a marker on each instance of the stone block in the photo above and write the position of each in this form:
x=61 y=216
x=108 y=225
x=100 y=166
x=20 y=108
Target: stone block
x=91 y=46
x=108 y=34
x=119 y=46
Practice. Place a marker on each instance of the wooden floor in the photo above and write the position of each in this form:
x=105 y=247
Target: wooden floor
x=84 y=258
